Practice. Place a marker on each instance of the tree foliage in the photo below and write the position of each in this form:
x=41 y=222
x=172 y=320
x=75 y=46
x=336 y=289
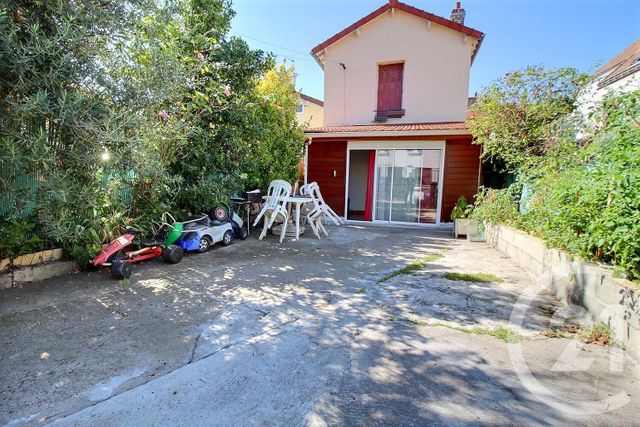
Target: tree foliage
x=115 y=111
x=514 y=117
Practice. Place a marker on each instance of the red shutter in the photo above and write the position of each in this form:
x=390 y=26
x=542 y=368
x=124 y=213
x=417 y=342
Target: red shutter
x=390 y=87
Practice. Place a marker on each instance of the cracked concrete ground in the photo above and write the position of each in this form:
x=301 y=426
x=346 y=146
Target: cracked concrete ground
x=302 y=334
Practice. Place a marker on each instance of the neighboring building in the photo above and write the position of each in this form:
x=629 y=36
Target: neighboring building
x=310 y=111
x=394 y=146
x=620 y=74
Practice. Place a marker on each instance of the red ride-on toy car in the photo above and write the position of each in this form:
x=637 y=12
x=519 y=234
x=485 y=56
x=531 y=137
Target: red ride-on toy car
x=129 y=248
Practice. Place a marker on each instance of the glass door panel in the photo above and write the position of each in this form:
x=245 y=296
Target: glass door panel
x=405 y=198
x=384 y=170
x=407 y=185
x=429 y=185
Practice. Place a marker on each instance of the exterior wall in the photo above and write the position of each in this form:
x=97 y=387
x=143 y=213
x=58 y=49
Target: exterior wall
x=436 y=71
x=312 y=116
x=591 y=95
x=323 y=159
x=461 y=174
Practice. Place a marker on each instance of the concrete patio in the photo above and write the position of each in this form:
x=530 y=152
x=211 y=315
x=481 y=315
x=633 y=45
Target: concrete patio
x=302 y=334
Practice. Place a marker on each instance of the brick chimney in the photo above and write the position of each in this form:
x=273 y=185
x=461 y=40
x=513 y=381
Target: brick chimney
x=458 y=14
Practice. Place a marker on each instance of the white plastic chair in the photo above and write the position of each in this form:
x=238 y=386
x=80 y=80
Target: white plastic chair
x=315 y=213
x=275 y=207
x=325 y=207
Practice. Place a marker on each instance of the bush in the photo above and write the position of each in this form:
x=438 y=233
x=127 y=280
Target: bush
x=585 y=196
x=112 y=115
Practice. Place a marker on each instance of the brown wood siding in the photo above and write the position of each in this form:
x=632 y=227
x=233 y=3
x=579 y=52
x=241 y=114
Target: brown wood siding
x=461 y=167
x=324 y=158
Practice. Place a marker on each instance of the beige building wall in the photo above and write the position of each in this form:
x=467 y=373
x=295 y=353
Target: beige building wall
x=312 y=115
x=436 y=72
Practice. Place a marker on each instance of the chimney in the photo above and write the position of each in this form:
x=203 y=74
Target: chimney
x=458 y=14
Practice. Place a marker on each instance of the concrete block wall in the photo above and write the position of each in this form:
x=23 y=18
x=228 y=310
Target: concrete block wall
x=613 y=301
x=36 y=273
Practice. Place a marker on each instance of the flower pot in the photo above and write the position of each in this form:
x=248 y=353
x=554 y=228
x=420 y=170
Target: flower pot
x=460 y=227
x=475 y=231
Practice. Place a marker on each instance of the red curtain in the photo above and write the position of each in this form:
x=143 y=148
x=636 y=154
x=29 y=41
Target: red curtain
x=368 y=204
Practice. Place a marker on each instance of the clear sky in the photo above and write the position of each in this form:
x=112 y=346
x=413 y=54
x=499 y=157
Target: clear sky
x=554 y=33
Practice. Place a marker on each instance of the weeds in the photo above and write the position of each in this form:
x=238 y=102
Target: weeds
x=474 y=277
x=555 y=333
x=362 y=290
x=124 y=283
x=414 y=266
x=500 y=332
x=599 y=334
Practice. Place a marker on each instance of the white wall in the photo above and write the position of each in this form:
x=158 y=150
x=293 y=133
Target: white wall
x=591 y=95
x=436 y=71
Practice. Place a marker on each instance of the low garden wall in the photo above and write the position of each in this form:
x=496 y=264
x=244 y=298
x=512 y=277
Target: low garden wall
x=613 y=301
x=33 y=267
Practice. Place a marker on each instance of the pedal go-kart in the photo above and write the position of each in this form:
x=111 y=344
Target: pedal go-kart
x=220 y=225
x=130 y=248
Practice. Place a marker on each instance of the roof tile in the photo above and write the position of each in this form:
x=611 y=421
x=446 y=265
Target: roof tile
x=396 y=127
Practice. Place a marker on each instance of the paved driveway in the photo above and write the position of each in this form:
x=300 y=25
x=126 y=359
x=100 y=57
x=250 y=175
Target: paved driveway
x=303 y=333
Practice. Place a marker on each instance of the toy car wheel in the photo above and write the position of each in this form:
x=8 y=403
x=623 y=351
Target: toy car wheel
x=227 y=238
x=172 y=254
x=204 y=244
x=244 y=233
x=121 y=269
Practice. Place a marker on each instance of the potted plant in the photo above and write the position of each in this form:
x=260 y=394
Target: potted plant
x=460 y=216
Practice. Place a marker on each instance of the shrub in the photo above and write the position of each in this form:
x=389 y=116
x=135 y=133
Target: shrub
x=585 y=196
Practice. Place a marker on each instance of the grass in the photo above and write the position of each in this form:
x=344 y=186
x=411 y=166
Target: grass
x=362 y=290
x=414 y=266
x=474 y=277
x=124 y=283
x=500 y=332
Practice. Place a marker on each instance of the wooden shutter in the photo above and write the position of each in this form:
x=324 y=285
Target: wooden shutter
x=390 y=87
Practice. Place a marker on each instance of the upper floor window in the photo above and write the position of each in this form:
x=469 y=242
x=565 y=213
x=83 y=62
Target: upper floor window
x=300 y=108
x=390 y=90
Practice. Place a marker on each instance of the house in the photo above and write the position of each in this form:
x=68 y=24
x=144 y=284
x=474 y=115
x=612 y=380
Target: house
x=394 y=146
x=620 y=74
x=310 y=112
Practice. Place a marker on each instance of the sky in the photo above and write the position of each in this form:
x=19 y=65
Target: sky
x=554 y=33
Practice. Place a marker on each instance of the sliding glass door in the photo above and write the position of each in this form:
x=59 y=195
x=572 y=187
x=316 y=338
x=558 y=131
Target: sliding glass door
x=407 y=185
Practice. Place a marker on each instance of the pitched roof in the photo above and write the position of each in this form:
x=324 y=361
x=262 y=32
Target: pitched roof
x=394 y=4
x=625 y=63
x=395 y=127
x=311 y=99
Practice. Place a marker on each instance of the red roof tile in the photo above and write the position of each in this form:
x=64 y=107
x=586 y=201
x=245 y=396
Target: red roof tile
x=396 y=127
x=408 y=9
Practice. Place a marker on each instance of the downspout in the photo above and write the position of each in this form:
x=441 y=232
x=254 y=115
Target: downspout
x=306 y=158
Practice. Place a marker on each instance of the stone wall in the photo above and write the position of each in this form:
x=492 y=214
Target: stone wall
x=613 y=301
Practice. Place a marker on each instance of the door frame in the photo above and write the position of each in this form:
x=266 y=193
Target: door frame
x=395 y=145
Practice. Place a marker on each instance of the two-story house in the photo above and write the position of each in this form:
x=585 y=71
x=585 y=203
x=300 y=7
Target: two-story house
x=394 y=146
